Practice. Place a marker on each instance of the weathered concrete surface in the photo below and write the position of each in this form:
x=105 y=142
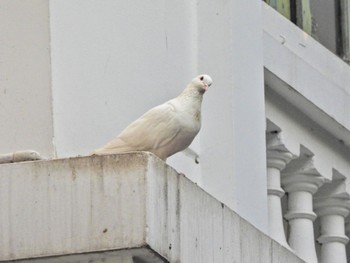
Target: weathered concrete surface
x=186 y=224
x=20 y=156
x=98 y=203
x=72 y=205
x=135 y=255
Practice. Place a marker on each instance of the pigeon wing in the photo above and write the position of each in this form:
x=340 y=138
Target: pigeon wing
x=154 y=129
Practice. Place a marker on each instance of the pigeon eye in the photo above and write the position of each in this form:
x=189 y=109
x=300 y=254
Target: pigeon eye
x=201 y=78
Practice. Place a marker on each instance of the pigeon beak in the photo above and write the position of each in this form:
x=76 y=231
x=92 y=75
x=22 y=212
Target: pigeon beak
x=206 y=86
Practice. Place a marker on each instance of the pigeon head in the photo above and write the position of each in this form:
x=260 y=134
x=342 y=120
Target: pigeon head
x=202 y=82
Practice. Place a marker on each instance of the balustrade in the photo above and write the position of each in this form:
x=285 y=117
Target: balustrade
x=277 y=158
x=309 y=195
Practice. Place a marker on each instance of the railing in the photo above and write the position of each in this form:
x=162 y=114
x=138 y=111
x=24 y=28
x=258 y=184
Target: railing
x=310 y=196
x=131 y=202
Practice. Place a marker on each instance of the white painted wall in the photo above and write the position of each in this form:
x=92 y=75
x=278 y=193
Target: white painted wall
x=113 y=60
x=233 y=135
x=25 y=77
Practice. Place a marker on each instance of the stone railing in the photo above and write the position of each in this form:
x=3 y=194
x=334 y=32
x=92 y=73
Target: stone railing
x=316 y=209
x=132 y=204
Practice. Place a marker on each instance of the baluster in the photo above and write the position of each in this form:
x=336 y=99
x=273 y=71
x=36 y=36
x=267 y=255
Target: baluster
x=301 y=180
x=277 y=158
x=332 y=205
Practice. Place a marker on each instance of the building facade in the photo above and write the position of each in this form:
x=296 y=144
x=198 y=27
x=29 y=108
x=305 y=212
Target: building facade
x=275 y=140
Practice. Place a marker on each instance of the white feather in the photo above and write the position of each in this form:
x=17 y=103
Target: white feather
x=165 y=129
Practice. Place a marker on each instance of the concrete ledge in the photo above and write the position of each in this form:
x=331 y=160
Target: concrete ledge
x=72 y=205
x=123 y=201
x=134 y=255
x=308 y=74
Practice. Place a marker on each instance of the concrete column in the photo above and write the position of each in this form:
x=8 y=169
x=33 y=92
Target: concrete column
x=333 y=239
x=347 y=232
x=25 y=77
x=228 y=39
x=301 y=180
x=277 y=158
x=332 y=205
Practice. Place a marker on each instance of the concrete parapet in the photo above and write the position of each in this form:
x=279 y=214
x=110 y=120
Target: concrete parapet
x=118 y=202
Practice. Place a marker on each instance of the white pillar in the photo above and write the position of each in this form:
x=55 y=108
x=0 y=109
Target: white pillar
x=231 y=176
x=26 y=115
x=301 y=180
x=332 y=213
x=277 y=158
x=347 y=232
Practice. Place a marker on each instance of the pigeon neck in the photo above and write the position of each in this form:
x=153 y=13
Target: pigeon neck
x=191 y=100
x=192 y=92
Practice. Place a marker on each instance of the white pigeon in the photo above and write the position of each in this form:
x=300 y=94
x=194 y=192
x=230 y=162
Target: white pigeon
x=165 y=129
